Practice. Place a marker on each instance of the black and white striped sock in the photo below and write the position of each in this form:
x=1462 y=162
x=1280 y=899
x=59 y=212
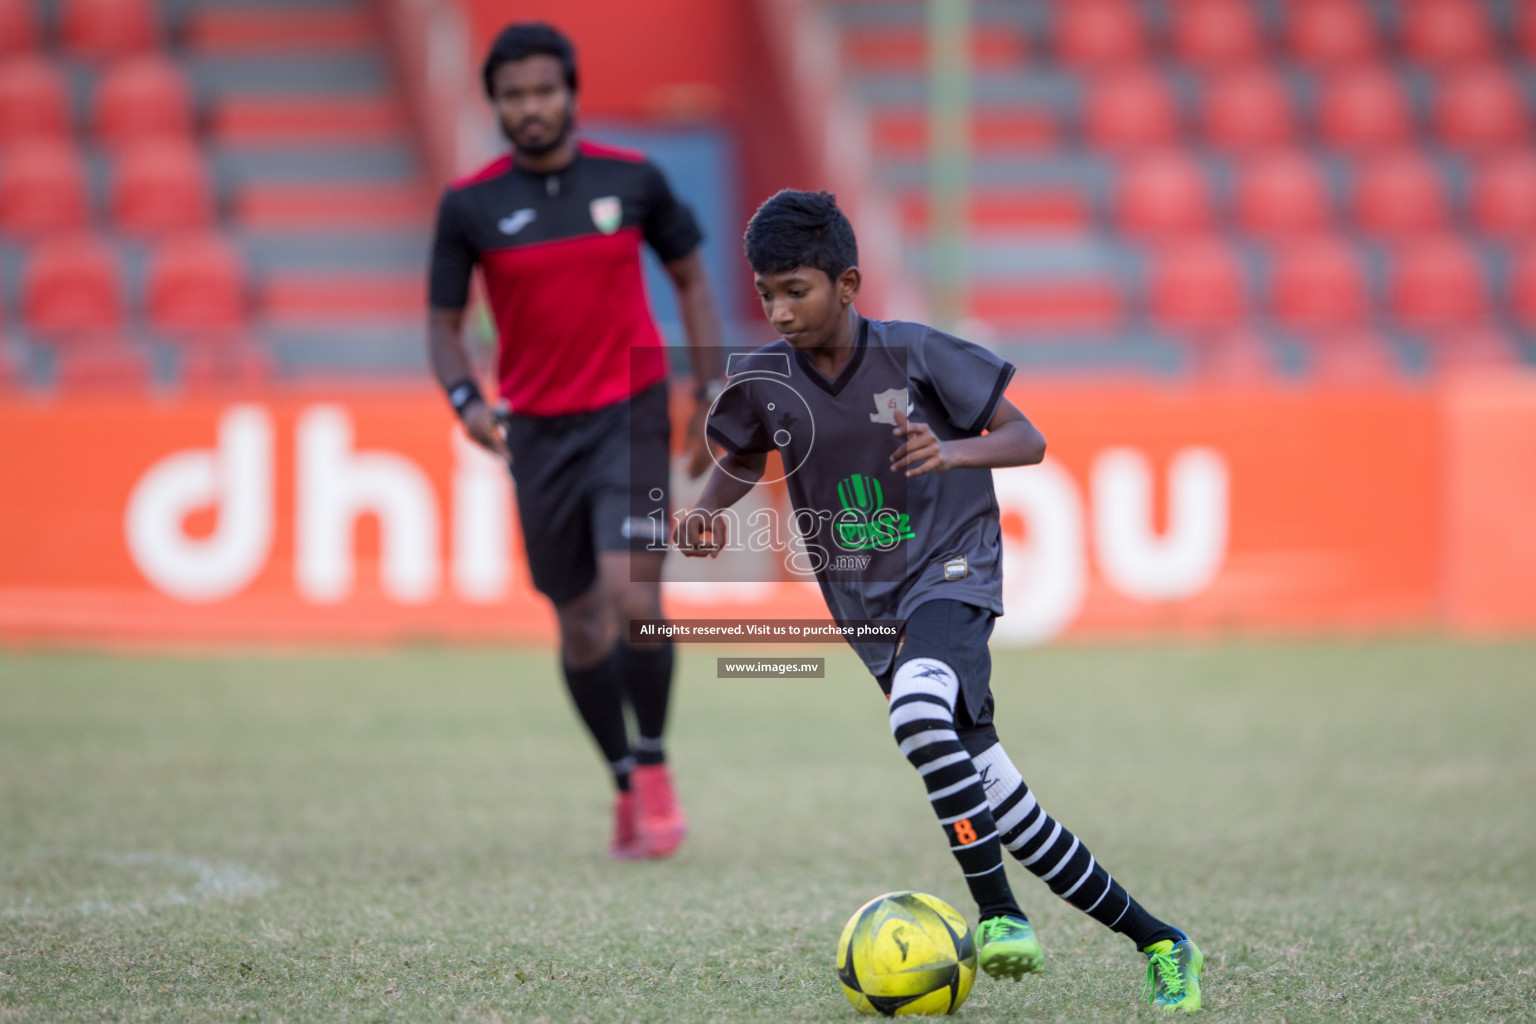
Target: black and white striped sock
x=923 y=694
x=1060 y=860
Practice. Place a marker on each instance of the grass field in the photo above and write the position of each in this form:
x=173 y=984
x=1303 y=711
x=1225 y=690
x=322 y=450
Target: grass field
x=1349 y=830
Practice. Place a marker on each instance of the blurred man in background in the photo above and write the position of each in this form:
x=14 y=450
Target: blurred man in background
x=556 y=227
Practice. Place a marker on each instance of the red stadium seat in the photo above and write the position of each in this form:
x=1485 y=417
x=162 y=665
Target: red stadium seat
x=1284 y=194
x=1129 y=110
x=220 y=28
x=1522 y=286
x=12 y=372
x=1363 y=108
x=100 y=362
x=1331 y=32
x=993 y=130
x=1089 y=304
x=160 y=187
x=1099 y=33
x=1503 y=196
x=342 y=296
x=1445 y=32
x=18 y=26
x=904 y=48
x=1236 y=356
x=1399 y=194
x=1248 y=110
x=1163 y=194
x=305 y=119
x=1481 y=108
x=269 y=205
x=1349 y=357
x=196 y=285
x=34 y=100
x=1471 y=349
x=1062 y=209
x=224 y=362
x=109 y=28
x=142 y=97
x=71 y=284
x=1318 y=283
x=1437 y=283
x=42 y=189
x=1210 y=32
x=1197 y=285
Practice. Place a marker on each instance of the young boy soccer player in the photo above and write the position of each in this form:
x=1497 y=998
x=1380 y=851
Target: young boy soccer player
x=908 y=423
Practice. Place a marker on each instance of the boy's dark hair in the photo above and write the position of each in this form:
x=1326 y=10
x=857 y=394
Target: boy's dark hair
x=529 y=39
x=800 y=229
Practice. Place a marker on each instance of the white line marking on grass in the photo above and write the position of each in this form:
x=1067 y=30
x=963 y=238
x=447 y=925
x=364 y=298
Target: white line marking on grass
x=214 y=881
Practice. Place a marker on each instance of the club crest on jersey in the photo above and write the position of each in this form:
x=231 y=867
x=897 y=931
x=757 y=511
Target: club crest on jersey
x=886 y=404
x=607 y=213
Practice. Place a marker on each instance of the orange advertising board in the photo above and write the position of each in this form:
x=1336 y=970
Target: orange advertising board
x=1489 y=530
x=1326 y=500
x=299 y=517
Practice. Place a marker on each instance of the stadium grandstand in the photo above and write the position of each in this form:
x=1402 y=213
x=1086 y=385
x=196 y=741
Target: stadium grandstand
x=205 y=192
x=240 y=191
x=1309 y=189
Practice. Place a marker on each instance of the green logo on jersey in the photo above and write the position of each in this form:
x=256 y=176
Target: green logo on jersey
x=865 y=522
x=860 y=493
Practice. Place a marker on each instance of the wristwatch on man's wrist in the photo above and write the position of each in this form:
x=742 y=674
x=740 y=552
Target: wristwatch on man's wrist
x=464 y=394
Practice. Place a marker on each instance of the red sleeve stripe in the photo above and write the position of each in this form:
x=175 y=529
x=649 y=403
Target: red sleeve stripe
x=612 y=152
x=501 y=165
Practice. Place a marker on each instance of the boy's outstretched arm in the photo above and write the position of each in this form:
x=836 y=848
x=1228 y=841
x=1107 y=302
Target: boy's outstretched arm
x=702 y=531
x=1010 y=440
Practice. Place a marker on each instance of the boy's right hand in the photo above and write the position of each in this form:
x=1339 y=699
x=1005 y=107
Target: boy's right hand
x=700 y=534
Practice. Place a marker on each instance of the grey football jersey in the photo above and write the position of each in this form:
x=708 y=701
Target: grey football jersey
x=881 y=543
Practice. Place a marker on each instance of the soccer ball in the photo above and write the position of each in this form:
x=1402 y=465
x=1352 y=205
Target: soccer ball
x=906 y=952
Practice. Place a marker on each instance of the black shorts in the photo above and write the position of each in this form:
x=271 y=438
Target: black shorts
x=955 y=633
x=589 y=482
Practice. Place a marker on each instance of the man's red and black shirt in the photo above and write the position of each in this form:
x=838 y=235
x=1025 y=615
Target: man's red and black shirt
x=560 y=254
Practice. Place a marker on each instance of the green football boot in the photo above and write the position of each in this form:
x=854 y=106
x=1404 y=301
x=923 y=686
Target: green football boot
x=1173 y=975
x=1009 y=948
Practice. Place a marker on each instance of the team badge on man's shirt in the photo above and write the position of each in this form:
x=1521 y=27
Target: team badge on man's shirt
x=607 y=213
x=886 y=404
